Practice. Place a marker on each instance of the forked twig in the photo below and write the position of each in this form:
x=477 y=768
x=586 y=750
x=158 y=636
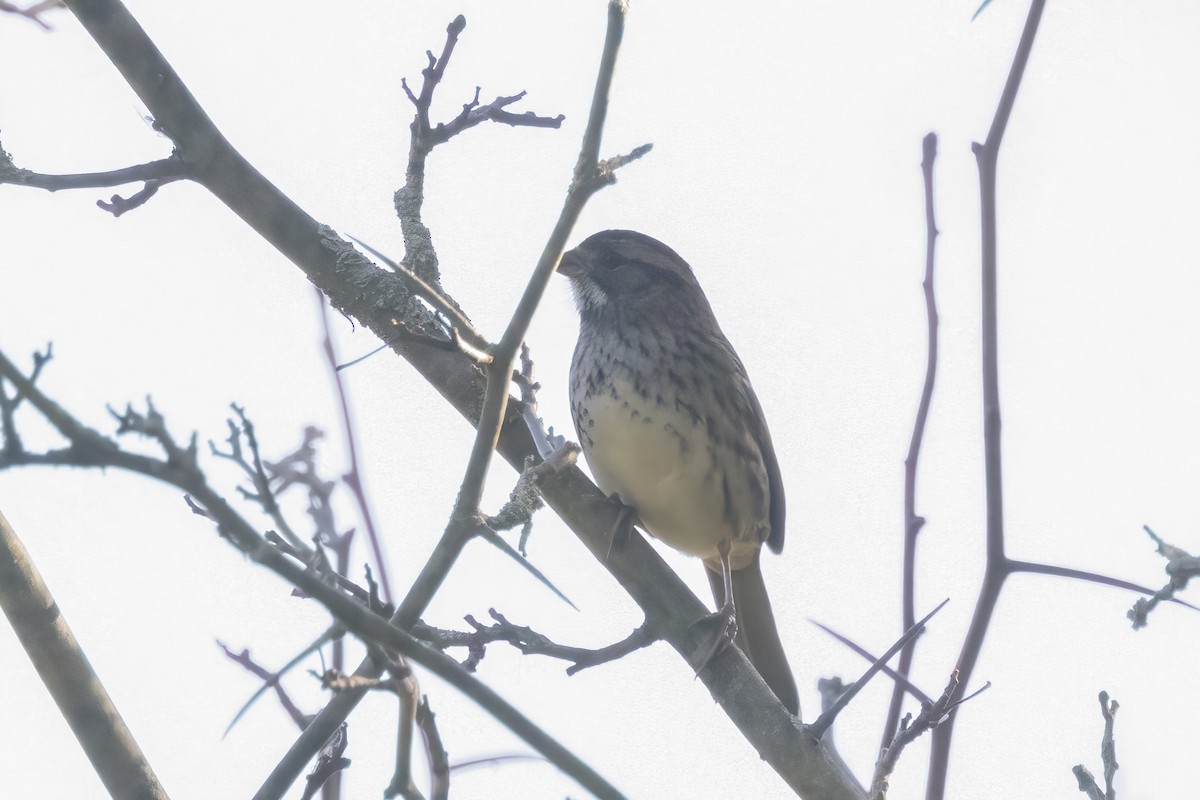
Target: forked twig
x=932 y=716
x=1182 y=566
x=1108 y=756
x=995 y=570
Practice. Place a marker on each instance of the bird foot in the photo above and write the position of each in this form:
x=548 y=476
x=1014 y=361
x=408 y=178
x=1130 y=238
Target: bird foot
x=623 y=528
x=723 y=631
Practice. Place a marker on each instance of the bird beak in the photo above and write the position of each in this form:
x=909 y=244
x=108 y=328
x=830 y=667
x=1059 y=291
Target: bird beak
x=571 y=264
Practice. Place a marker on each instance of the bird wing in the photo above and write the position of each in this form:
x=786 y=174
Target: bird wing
x=774 y=478
x=756 y=422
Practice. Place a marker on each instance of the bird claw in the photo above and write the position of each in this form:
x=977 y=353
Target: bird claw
x=724 y=632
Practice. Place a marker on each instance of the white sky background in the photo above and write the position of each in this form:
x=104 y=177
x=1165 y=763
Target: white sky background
x=785 y=169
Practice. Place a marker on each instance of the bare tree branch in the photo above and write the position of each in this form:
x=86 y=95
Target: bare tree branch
x=1182 y=566
x=165 y=169
x=900 y=679
x=995 y=571
x=827 y=717
x=153 y=175
x=32 y=13
x=439 y=764
x=353 y=476
x=69 y=678
x=931 y=717
x=420 y=258
x=529 y=642
x=1108 y=756
x=9 y=405
x=1015 y=566
x=408 y=693
x=912 y=522
x=272 y=680
x=357 y=617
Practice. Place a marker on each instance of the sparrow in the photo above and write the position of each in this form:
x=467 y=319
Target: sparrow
x=671 y=428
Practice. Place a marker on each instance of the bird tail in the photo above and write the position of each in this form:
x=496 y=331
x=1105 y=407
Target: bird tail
x=757 y=635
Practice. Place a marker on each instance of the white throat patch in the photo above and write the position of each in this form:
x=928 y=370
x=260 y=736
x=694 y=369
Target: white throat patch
x=588 y=294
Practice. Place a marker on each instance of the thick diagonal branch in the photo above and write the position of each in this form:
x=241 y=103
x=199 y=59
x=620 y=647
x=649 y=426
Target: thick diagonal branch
x=68 y=676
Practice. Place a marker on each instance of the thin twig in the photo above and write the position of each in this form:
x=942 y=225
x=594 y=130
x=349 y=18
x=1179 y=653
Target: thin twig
x=118 y=205
x=9 y=405
x=408 y=693
x=1015 y=566
x=1108 y=745
x=464 y=519
x=163 y=170
x=1182 y=566
x=439 y=762
x=496 y=111
x=550 y=446
x=153 y=175
x=487 y=761
x=529 y=642
x=1108 y=756
x=264 y=494
x=32 y=13
x=272 y=680
x=896 y=676
x=420 y=258
x=353 y=476
x=912 y=522
x=497 y=541
x=932 y=716
x=818 y=728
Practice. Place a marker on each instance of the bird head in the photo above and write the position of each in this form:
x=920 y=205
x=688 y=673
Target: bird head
x=630 y=270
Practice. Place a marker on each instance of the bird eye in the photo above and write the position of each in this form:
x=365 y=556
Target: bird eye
x=611 y=262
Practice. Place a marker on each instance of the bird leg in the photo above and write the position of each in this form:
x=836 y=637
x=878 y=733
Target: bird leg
x=623 y=528
x=725 y=617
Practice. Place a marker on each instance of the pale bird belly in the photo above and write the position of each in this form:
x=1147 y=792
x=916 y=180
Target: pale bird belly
x=663 y=466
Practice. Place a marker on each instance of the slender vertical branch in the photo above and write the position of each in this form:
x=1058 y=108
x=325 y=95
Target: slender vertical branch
x=353 y=477
x=331 y=789
x=588 y=178
x=997 y=567
x=912 y=522
x=1108 y=756
x=402 y=783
